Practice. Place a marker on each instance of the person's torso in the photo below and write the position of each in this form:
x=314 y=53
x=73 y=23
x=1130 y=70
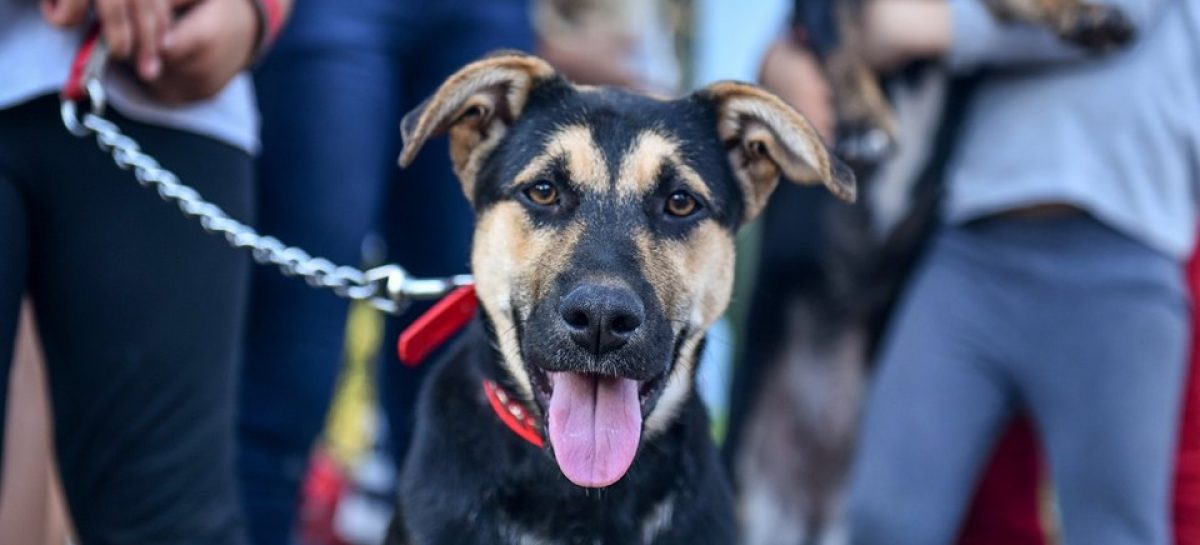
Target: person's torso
x=1118 y=136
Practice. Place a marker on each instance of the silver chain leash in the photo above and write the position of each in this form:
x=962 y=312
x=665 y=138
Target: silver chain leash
x=388 y=288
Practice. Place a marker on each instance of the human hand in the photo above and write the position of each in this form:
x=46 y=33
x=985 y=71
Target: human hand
x=133 y=29
x=204 y=49
x=896 y=32
x=795 y=75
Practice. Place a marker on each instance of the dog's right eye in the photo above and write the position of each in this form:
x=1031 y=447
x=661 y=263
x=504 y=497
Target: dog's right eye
x=542 y=193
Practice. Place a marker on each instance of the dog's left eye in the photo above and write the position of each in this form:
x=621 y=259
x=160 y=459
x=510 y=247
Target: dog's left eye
x=681 y=204
x=542 y=193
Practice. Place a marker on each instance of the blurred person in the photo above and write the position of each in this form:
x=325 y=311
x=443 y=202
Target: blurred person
x=822 y=299
x=332 y=94
x=140 y=312
x=625 y=43
x=1054 y=286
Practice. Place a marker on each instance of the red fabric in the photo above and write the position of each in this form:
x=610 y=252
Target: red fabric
x=1005 y=510
x=1187 y=468
x=437 y=325
x=323 y=488
x=74 y=89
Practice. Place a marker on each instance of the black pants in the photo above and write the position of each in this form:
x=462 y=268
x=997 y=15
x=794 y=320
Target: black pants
x=140 y=315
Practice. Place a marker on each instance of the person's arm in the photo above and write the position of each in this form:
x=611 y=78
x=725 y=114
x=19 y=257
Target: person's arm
x=968 y=36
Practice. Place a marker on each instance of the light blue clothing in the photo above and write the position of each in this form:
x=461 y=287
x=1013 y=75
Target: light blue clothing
x=1117 y=135
x=1063 y=319
x=35 y=59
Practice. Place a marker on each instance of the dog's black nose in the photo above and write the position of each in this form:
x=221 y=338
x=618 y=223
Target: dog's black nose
x=601 y=318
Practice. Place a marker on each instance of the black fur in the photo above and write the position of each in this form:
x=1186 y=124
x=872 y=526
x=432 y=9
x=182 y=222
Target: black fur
x=468 y=479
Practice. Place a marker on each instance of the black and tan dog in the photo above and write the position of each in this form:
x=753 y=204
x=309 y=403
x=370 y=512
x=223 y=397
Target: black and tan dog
x=604 y=249
x=866 y=128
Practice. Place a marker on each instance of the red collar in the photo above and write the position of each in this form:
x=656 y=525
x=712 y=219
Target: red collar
x=440 y=323
x=512 y=413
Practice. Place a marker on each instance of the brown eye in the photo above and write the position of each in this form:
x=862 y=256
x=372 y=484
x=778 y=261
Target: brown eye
x=681 y=204
x=542 y=194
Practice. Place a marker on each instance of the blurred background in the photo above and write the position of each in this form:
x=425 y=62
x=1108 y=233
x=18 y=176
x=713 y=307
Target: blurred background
x=325 y=407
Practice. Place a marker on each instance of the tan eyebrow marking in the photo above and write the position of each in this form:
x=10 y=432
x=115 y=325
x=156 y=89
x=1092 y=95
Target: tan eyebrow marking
x=585 y=161
x=644 y=160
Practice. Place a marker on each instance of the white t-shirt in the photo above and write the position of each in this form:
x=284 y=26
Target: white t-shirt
x=35 y=59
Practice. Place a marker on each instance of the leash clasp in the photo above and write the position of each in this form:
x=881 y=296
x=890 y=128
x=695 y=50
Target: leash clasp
x=399 y=289
x=84 y=83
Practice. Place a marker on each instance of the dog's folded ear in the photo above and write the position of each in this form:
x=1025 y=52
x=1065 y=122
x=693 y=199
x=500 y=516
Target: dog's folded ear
x=767 y=138
x=476 y=105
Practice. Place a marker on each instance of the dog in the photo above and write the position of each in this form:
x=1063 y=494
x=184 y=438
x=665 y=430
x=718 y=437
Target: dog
x=827 y=277
x=866 y=125
x=602 y=252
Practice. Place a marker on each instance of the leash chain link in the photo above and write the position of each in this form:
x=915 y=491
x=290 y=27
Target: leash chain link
x=388 y=288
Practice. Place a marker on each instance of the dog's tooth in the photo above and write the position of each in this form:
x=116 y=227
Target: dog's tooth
x=502 y=396
x=516 y=411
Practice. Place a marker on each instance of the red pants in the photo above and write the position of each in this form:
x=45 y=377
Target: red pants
x=1006 y=511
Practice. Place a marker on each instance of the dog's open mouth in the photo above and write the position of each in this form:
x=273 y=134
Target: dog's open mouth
x=594 y=422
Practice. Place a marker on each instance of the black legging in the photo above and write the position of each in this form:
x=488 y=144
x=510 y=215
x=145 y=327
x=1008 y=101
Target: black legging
x=140 y=315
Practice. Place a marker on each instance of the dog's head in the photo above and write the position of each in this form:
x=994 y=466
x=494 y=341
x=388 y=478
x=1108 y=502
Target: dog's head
x=604 y=240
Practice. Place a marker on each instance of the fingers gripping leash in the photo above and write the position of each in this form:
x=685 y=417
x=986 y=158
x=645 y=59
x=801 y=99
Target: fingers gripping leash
x=388 y=288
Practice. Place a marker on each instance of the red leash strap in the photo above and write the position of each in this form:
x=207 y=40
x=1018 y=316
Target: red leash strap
x=512 y=414
x=437 y=325
x=87 y=66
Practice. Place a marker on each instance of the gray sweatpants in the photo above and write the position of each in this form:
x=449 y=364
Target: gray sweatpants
x=1081 y=327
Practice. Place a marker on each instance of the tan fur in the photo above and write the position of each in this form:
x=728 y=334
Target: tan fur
x=693 y=280
x=585 y=161
x=769 y=139
x=677 y=388
x=514 y=264
x=1065 y=17
x=1036 y=11
x=469 y=147
x=643 y=162
x=860 y=98
x=476 y=104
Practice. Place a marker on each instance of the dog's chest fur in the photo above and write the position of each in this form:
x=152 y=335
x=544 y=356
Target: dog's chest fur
x=470 y=480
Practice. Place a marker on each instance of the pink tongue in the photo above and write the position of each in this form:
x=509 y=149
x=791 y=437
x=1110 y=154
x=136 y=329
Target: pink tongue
x=595 y=427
